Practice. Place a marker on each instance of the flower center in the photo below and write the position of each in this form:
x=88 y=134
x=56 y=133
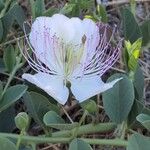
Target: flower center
x=73 y=57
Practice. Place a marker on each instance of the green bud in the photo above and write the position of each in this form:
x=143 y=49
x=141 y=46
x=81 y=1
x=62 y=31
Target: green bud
x=90 y=106
x=22 y=121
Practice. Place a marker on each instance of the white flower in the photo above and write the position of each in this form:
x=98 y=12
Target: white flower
x=70 y=50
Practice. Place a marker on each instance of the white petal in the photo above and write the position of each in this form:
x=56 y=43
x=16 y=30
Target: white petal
x=78 y=29
x=88 y=87
x=53 y=85
x=63 y=27
x=46 y=36
x=92 y=33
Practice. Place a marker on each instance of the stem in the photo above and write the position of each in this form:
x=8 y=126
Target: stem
x=5 y=8
x=33 y=146
x=121 y=130
x=40 y=140
x=83 y=117
x=75 y=131
x=19 y=139
x=117 y=2
x=111 y=142
x=87 y=129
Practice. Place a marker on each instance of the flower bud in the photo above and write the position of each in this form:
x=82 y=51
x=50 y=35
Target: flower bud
x=22 y=120
x=90 y=106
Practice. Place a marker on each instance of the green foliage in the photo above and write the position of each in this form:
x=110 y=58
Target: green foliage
x=2 y=66
x=1 y=87
x=1 y=30
x=119 y=99
x=133 y=52
x=137 y=108
x=1 y=5
x=53 y=120
x=145 y=28
x=68 y=8
x=122 y=102
x=9 y=58
x=15 y=13
x=131 y=29
x=7 y=123
x=11 y=95
x=37 y=106
x=139 y=84
x=102 y=13
x=78 y=144
x=6 y=144
x=138 y=142
x=51 y=117
x=77 y=7
x=37 y=8
x=144 y=119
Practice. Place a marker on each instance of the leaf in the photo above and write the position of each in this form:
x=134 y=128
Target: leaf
x=137 y=108
x=11 y=95
x=78 y=144
x=131 y=29
x=39 y=8
x=139 y=84
x=1 y=30
x=7 y=123
x=1 y=5
x=9 y=58
x=53 y=120
x=7 y=21
x=52 y=117
x=38 y=105
x=103 y=14
x=67 y=8
x=119 y=99
x=18 y=15
x=132 y=63
x=1 y=87
x=145 y=28
x=32 y=4
x=138 y=142
x=50 y=11
x=6 y=144
x=144 y=119
x=2 y=66
x=14 y=13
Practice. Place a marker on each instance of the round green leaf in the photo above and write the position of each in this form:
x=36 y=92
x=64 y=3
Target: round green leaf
x=6 y=144
x=38 y=105
x=144 y=119
x=131 y=29
x=78 y=144
x=53 y=120
x=138 y=142
x=119 y=99
x=11 y=95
